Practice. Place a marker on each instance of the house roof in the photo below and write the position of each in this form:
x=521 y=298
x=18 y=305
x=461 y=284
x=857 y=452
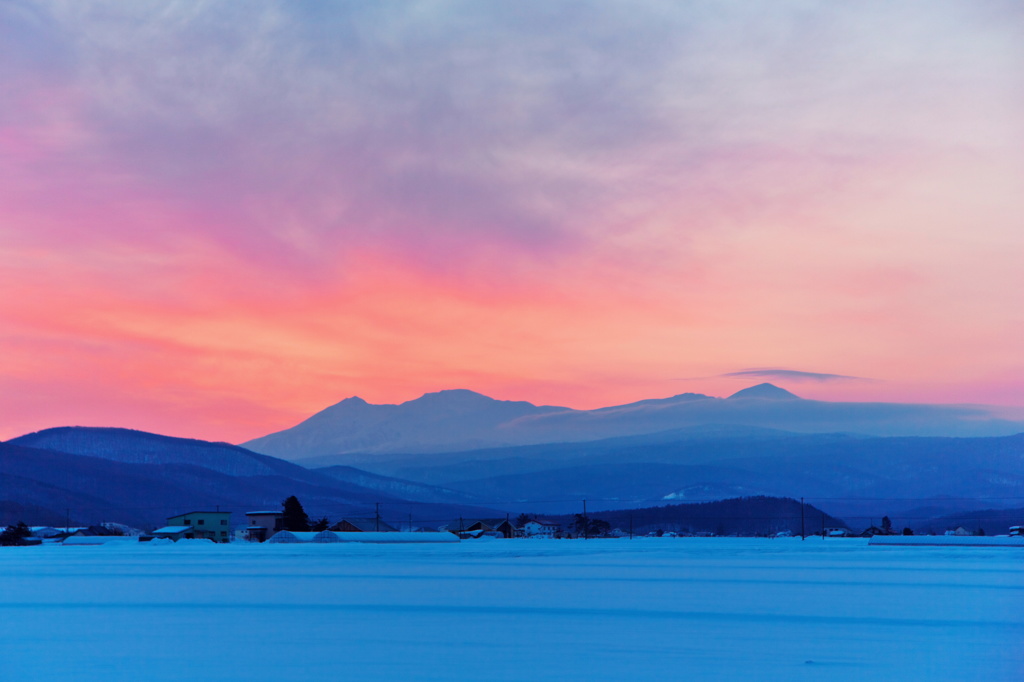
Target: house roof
x=264 y=513
x=199 y=512
x=172 y=530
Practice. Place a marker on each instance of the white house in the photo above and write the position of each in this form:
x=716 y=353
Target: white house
x=536 y=528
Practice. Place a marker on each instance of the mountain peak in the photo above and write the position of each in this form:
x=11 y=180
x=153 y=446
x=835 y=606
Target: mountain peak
x=453 y=395
x=765 y=391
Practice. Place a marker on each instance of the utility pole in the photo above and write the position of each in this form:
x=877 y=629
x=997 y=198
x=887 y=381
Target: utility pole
x=377 y=518
x=410 y=522
x=803 y=534
x=67 y=519
x=822 y=525
x=586 y=535
x=630 y=526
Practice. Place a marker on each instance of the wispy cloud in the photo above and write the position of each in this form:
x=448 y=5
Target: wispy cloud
x=792 y=375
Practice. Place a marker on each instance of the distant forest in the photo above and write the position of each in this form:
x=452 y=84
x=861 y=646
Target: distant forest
x=746 y=516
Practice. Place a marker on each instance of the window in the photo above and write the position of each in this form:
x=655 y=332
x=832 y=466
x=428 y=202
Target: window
x=202 y=521
x=223 y=522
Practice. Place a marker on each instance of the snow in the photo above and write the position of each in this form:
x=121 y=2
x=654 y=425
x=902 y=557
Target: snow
x=286 y=536
x=947 y=540
x=645 y=609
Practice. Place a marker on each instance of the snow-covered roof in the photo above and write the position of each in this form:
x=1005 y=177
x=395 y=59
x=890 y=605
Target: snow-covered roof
x=171 y=530
x=98 y=539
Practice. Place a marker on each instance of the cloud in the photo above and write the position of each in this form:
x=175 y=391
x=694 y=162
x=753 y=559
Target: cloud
x=792 y=375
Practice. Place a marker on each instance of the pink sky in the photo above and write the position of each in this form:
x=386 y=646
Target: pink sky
x=217 y=219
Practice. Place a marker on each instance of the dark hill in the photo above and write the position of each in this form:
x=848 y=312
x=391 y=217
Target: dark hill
x=140 y=479
x=745 y=516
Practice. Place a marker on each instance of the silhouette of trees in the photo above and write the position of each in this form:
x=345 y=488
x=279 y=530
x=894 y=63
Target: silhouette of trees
x=15 y=535
x=294 y=517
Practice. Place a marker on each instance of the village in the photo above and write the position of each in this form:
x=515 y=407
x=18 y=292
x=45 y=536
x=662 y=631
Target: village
x=292 y=525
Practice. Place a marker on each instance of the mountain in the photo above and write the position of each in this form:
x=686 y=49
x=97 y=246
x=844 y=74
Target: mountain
x=765 y=392
x=141 y=478
x=433 y=422
x=451 y=421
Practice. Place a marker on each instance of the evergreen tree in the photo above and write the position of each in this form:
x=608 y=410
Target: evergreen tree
x=15 y=535
x=294 y=517
x=323 y=523
x=522 y=520
x=886 y=525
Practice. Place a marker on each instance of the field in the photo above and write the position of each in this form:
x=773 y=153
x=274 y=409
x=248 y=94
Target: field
x=646 y=609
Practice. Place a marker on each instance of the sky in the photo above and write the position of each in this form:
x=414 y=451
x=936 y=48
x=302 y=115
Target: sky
x=217 y=218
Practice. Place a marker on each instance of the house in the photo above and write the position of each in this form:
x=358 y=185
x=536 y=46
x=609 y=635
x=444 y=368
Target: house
x=212 y=525
x=490 y=526
x=174 y=533
x=1016 y=531
x=360 y=525
x=959 y=531
x=872 y=531
x=263 y=524
x=538 y=528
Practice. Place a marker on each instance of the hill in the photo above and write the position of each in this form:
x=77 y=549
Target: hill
x=745 y=516
x=141 y=478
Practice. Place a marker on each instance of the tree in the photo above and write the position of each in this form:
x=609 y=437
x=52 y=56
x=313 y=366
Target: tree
x=15 y=535
x=908 y=531
x=294 y=517
x=323 y=523
x=886 y=525
x=522 y=520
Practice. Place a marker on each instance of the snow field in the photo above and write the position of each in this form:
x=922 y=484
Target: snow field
x=647 y=609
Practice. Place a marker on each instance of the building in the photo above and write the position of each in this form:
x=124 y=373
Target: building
x=173 y=533
x=503 y=526
x=537 y=528
x=263 y=524
x=212 y=525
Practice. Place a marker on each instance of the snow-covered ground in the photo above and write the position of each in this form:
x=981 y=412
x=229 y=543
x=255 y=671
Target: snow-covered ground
x=646 y=609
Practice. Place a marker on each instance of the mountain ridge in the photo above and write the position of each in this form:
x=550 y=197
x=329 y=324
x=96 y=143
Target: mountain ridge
x=461 y=420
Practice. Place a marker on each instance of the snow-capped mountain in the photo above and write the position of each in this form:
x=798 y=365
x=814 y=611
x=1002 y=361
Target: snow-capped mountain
x=458 y=420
